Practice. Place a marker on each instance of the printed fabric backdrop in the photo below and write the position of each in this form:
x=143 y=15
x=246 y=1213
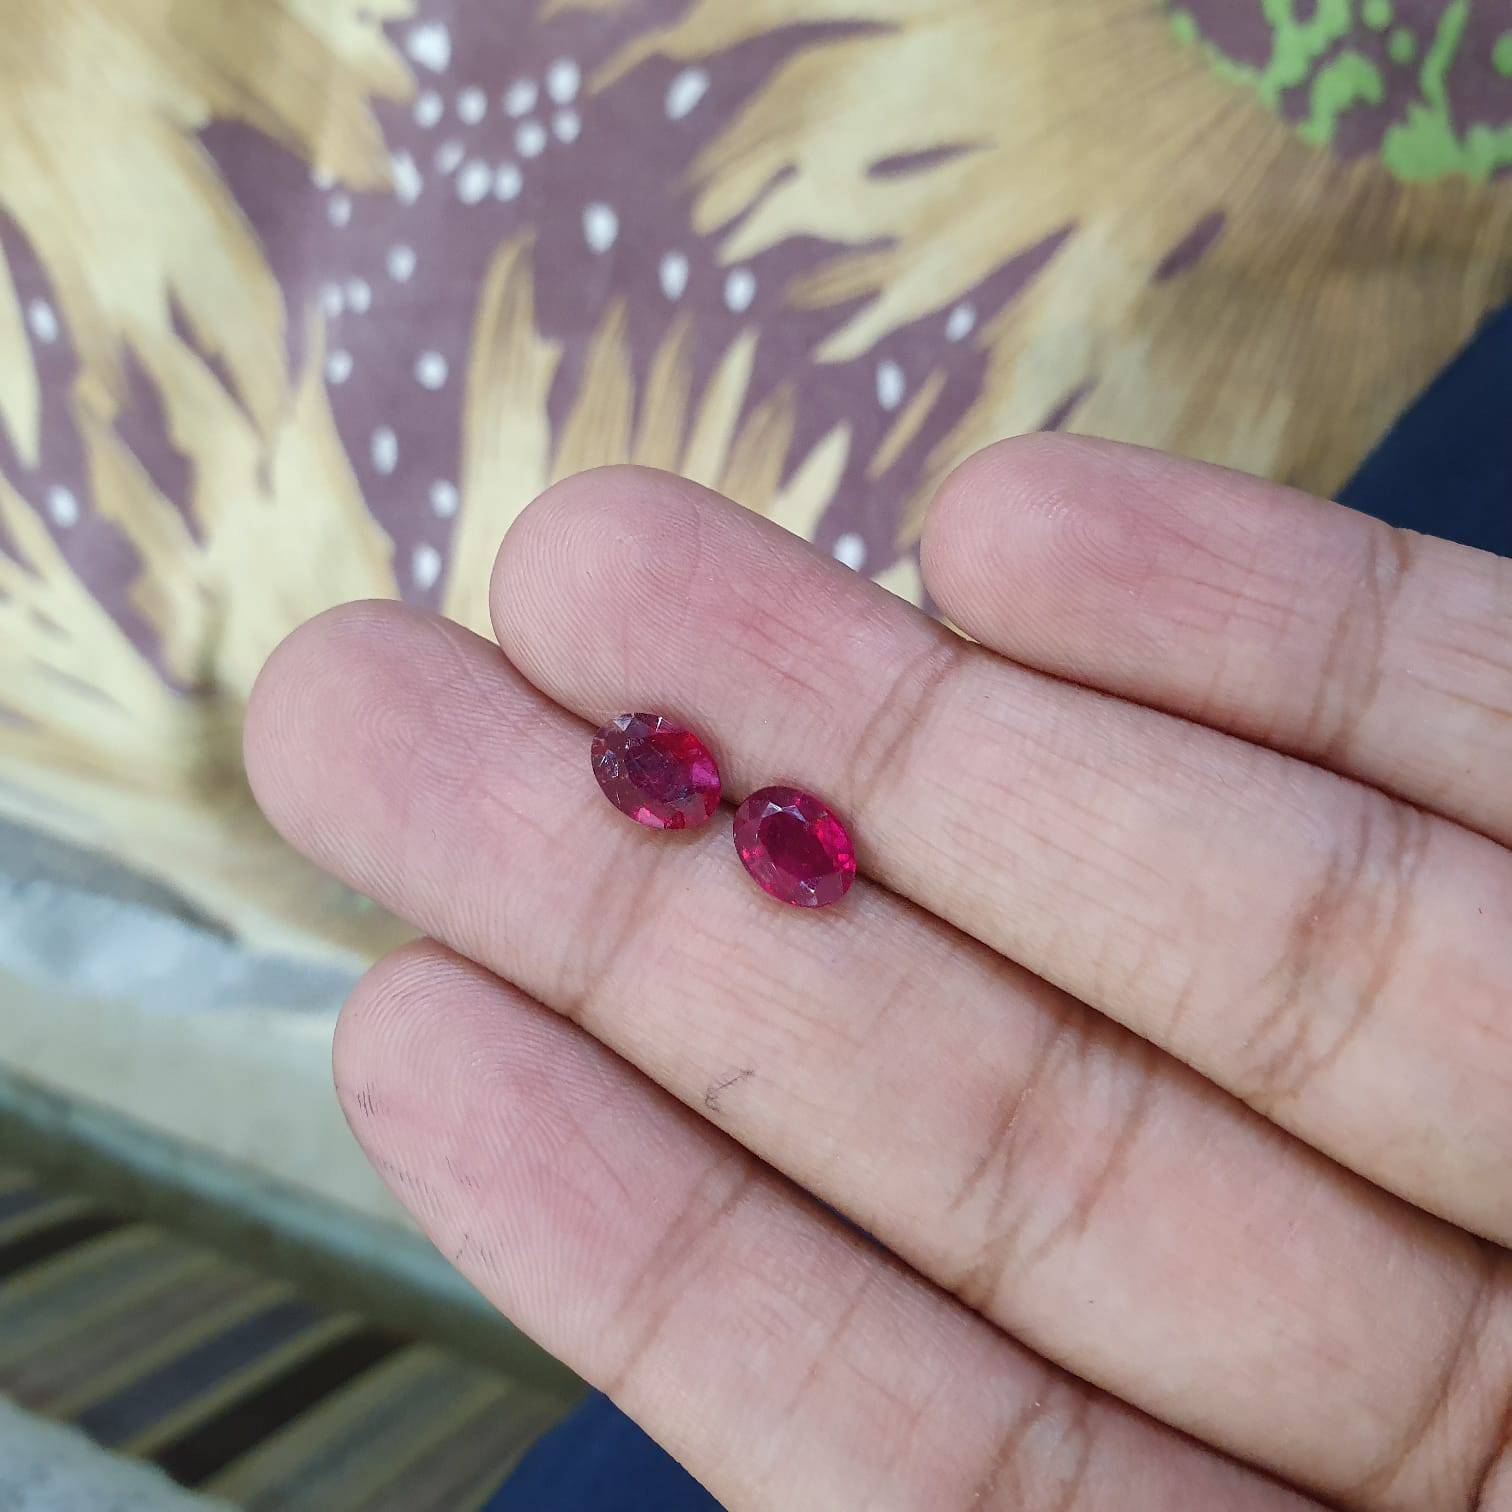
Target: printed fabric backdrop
x=304 y=300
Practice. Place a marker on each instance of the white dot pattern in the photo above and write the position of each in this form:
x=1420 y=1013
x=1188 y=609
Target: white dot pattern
x=674 y=275
x=62 y=506
x=851 y=550
x=431 y=371
x=430 y=46
x=385 y=450
x=961 y=322
x=407 y=180
x=43 y=321
x=520 y=99
x=426 y=566
x=474 y=182
x=891 y=385
x=472 y=106
x=401 y=263
x=600 y=226
x=740 y=289
x=563 y=80
x=685 y=92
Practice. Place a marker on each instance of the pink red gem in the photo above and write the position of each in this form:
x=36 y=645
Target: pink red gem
x=660 y=775
x=794 y=847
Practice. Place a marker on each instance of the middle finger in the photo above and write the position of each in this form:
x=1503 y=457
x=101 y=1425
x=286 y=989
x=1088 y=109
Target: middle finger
x=1334 y=957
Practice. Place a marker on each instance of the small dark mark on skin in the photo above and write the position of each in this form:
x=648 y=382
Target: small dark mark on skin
x=461 y=1177
x=711 y=1097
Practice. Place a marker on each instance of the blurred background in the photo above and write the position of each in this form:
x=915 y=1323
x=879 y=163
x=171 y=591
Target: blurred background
x=303 y=300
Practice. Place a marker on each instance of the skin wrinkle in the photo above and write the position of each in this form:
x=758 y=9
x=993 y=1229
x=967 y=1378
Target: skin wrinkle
x=981 y=1283
x=906 y=987
x=620 y=915
x=769 y=650
x=1403 y=866
x=582 y=1138
x=1480 y=662
x=765 y=980
x=689 y=535
x=1182 y=1002
x=1313 y=938
x=1312 y=931
x=1447 y=1385
x=682 y=1253
x=1067 y=1024
x=1003 y=1462
x=1075 y=1223
x=836 y=1331
x=901 y=715
x=1354 y=657
x=1079 y=1428
x=1498 y=712
x=1008 y=1455
x=761 y=1001
x=1500 y=1456
x=903 y=1441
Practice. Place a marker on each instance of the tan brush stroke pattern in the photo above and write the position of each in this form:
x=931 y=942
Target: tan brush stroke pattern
x=20 y=391
x=97 y=750
x=506 y=429
x=100 y=103
x=287 y=551
x=1333 y=295
x=597 y=431
x=171 y=589
x=726 y=441
x=553 y=8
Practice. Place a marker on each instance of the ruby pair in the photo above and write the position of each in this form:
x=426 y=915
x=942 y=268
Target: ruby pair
x=666 y=778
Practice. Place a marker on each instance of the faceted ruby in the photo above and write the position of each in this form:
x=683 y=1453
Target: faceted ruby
x=794 y=847
x=660 y=775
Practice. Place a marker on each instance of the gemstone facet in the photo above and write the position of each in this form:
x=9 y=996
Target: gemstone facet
x=795 y=848
x=659 y=774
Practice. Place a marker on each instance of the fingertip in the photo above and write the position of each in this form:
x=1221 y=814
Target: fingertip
x=290 y=682
x=1034 y=530
x=326 y=728
x=599 y=557
x=609 y=526
x=383 y=1028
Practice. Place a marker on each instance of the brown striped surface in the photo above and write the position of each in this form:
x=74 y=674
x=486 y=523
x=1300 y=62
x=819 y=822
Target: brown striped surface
x=234 y=1383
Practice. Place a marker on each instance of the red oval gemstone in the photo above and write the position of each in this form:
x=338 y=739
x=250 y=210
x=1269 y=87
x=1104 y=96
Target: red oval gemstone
x=659 y=774
x=794 y=847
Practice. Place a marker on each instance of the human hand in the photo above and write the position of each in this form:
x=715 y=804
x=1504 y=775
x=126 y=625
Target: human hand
x=1166 y=1041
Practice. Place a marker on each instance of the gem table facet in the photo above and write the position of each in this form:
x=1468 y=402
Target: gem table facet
x=795 y=848
x=659 y=774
